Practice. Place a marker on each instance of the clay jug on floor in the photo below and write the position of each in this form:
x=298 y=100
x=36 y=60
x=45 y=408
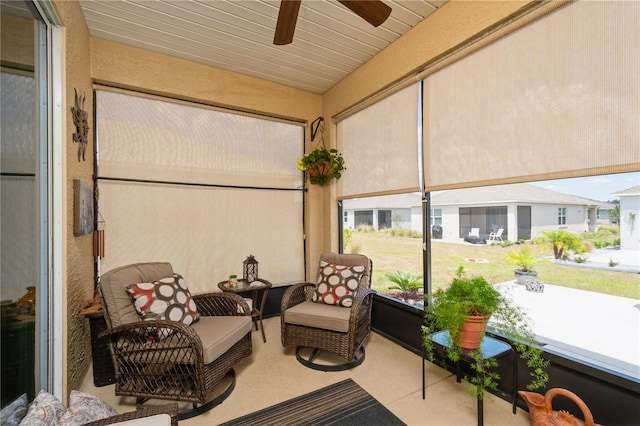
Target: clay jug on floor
x=542 y=413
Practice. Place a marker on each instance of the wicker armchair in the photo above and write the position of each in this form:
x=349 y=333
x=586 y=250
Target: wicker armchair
x=333 y=328
x=188 y=361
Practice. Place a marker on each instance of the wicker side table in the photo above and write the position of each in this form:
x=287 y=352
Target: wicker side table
x=103 y=372
x=255 y=287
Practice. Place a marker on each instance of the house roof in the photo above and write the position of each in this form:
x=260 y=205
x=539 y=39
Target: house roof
x=485 y=195
x=513 y=193
x=634 y=190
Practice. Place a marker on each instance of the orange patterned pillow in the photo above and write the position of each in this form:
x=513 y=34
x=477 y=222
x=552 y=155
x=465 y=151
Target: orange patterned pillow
x=165 y=299
x=337 y=284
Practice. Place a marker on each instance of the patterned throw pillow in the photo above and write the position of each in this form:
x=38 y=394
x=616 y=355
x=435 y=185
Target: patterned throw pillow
x=337 y=284
x=14 y=412
x=85 y=408
x=165 y=299
x=45 y=409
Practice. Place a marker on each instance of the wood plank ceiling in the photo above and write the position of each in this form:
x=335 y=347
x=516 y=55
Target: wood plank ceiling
x=329 y=43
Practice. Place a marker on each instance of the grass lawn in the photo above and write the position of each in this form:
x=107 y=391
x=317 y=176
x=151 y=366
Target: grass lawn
x=394 y=253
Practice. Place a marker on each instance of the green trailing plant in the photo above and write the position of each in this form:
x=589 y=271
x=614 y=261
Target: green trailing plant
x=613 y=263
x=475 y=296
x=321 y=165
x=407 y=283
x=562 y=242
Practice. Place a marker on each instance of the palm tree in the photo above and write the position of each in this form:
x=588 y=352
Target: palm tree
x=561 y=242
x=407 y=283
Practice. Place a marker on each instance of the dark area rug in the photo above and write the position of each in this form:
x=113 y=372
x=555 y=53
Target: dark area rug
x=343 y=403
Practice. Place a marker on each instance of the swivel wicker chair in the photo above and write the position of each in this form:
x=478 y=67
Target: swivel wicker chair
x=324 y=317
x=168 y=359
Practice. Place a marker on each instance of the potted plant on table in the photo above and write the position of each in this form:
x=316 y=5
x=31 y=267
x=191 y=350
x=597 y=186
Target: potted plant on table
x=473 y=300
x=524 y=260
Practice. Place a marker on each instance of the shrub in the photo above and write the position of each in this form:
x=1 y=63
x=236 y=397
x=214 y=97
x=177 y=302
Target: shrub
x=347 y=236
x=587 y=246
x=355 y=247
x=579 y=259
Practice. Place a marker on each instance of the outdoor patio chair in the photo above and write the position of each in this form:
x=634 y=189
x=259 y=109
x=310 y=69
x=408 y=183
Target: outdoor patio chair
x=183 y=358
x=475 y=232
x=333 y=314
x=496 y=236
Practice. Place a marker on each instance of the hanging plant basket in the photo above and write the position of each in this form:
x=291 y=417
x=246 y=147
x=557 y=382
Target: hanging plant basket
x=319 y=173
x=322 y=165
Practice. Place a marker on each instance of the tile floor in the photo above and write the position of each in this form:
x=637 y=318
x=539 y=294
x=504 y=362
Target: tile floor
x=390 y=373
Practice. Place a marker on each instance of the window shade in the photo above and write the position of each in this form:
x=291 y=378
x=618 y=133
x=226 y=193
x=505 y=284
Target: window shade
x=557 y=98
x=142 y=138
x=380 y=147
x=199 y=188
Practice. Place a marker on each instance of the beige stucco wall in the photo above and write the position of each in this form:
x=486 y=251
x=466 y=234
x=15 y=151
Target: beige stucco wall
x=78 y=267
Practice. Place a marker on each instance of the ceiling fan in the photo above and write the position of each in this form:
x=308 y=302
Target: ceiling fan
x=374 y=12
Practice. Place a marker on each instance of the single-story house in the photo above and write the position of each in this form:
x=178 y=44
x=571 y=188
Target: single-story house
x=387 y=211
x=604 y=216
x=629 y=216
x=522 y=211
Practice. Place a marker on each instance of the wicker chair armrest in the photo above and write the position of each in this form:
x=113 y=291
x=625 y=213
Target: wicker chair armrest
x=296 y=294
x=147 y=339
x=141 y=327
x=221 y=304
x=170 y=409
x=362 y=300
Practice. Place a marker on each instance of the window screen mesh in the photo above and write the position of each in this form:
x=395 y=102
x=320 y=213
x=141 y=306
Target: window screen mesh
x=199 y=188
x=557 y=98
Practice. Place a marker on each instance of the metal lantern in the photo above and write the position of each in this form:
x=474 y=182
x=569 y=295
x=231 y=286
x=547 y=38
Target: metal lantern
x=250 y=269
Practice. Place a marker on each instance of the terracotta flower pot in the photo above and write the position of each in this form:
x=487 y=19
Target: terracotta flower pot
x=472 y=332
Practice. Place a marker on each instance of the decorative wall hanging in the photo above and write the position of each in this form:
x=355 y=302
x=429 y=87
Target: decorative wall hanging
x=98 y=234
x=82 y=208
x=81 y=121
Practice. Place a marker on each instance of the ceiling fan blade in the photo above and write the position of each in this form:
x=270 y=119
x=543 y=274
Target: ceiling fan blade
x=286 y=26
x=374 y=12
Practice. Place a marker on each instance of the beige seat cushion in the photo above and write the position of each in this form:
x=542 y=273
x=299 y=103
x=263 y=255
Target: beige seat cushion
x=319 y=315
x=112 y=285
x=219 y=334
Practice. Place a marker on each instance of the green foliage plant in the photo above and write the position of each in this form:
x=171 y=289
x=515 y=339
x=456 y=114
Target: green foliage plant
x=524 y=258
x=579 y=259
x=321 y=165
x=562 y=242
x=407 y=283
x=475 y=296
x=347 y=237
